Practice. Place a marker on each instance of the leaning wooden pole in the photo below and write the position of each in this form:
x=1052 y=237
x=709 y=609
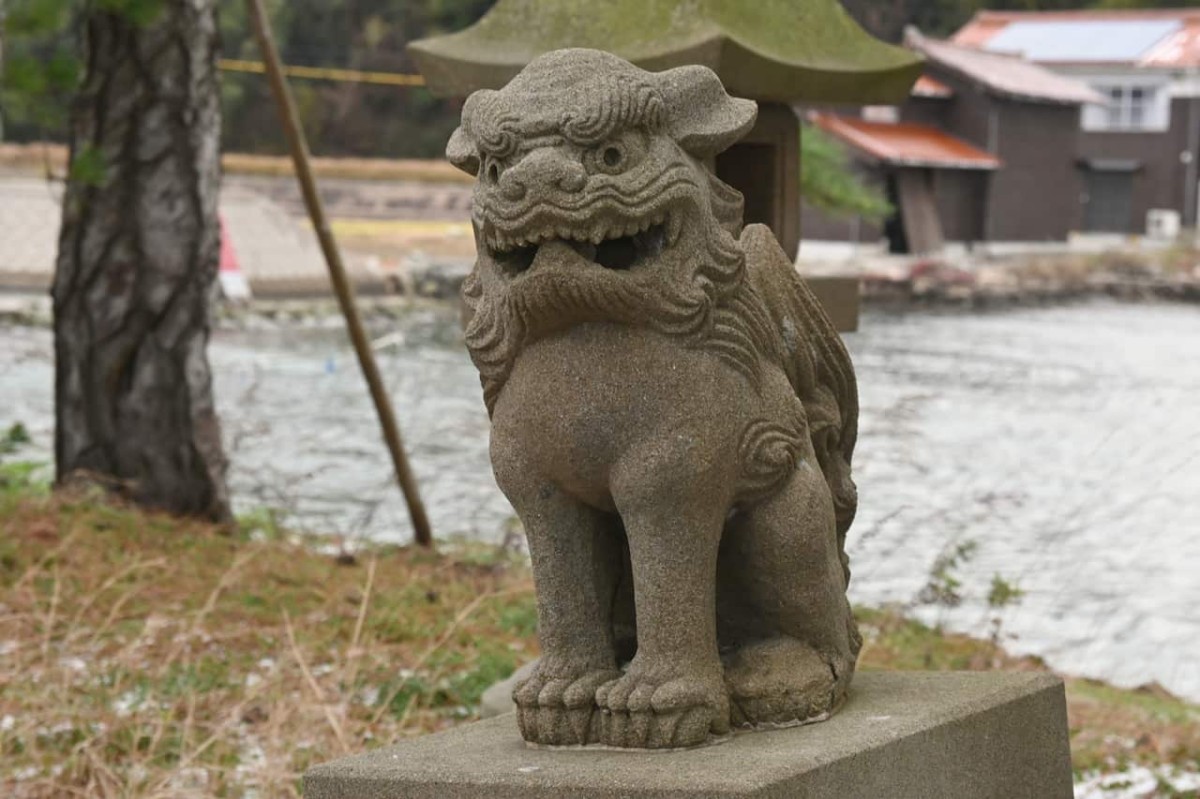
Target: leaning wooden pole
x=337 y=270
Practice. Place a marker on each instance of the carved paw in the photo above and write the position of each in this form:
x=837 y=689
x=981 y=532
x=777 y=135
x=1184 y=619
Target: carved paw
x=783 y=681
x=555 y=703
x=661 y=706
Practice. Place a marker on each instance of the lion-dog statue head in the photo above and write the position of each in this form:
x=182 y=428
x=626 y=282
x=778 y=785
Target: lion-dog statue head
x=593 y=200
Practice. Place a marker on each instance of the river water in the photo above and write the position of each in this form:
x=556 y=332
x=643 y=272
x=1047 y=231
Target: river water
x=1061 y=445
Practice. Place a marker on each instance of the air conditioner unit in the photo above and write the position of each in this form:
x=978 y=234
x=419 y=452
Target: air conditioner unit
x=1162 y=224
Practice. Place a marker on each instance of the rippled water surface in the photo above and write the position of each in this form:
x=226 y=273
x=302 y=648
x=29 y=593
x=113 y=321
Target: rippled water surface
x=1061 y=443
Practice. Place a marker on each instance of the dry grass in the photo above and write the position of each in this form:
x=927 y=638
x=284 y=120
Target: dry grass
x=1111 y=728
x=53 y=158
x=145 y=656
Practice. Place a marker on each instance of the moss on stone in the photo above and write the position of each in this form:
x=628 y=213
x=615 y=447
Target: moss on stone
x=776 y=50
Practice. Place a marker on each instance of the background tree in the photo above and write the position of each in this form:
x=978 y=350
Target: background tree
x=344 y=119
x=138 y=256
x=829 y=181
x=40 y=69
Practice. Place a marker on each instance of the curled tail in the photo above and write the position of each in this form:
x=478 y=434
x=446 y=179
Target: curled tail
x=817 y=365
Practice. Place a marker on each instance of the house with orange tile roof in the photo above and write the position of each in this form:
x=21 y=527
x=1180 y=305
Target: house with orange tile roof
x=983 y=153
x=1140 y=153
x=1032 y=129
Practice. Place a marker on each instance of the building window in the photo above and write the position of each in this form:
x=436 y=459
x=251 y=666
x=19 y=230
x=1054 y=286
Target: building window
x=1130 y=107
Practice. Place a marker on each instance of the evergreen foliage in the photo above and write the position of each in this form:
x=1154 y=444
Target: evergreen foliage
x=40 y=68
x=828 y=180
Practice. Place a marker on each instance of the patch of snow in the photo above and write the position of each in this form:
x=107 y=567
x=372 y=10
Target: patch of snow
x=74 y=664
x=128 y=703
x=252 y=759
x=1137 y=782
x=194 y=780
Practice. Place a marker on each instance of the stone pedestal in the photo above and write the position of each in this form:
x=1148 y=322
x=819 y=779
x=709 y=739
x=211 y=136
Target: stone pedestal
x=920 y=735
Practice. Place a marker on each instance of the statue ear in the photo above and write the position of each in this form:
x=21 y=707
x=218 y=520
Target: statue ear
x=701 y=116
x=461 y=150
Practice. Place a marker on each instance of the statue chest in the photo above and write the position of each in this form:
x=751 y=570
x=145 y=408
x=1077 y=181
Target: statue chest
x=580 y=403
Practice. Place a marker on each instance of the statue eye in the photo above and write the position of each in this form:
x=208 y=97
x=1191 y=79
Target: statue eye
x=614 y=156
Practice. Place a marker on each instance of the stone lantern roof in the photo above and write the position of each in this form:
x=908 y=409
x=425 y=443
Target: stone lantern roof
x=782 y=51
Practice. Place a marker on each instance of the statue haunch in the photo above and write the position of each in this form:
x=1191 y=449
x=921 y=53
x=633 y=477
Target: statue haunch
x=673 y=415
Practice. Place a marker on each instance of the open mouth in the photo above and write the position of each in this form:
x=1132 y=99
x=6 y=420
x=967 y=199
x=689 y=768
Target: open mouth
x=620 y=246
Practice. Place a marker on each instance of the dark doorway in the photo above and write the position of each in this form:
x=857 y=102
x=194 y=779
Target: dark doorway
x=1109 y=202
x=750 y=168
x=893 y=227
x=765 y=168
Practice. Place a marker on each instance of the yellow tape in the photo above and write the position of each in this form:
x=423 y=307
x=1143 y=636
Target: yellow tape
x=327 y=73
x=403 y=227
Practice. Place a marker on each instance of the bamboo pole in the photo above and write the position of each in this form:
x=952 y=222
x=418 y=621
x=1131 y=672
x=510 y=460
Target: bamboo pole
x=337 y=270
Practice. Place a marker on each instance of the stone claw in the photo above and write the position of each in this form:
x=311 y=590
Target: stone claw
x=648 y=709
x=554 y=703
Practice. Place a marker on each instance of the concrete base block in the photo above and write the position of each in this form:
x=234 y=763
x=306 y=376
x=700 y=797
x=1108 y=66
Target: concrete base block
x=923 y=735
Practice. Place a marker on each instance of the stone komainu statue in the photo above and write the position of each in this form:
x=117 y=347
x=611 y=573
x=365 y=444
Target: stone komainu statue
x=673 y=415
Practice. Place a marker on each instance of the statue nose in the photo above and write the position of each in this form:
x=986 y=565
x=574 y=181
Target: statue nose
x=542 y=167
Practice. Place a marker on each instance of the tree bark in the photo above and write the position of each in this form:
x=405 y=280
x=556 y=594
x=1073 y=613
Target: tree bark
x=137 y=263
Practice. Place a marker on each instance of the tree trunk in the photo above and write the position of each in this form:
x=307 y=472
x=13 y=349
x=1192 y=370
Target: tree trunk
x=137 y=263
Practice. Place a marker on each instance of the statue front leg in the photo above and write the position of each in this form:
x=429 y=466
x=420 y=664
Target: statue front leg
x=673 y=693
x=576 y=557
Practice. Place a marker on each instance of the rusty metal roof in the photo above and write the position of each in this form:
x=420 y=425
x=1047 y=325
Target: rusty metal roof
x=1167 y=38
x=1005 y=74
x=931 y=87
x=905 y=143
